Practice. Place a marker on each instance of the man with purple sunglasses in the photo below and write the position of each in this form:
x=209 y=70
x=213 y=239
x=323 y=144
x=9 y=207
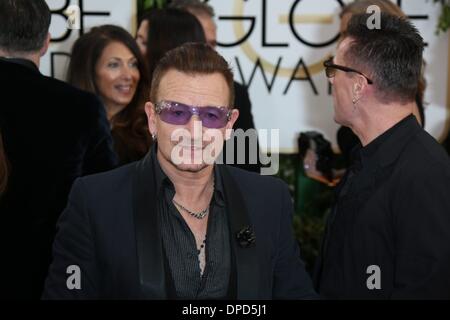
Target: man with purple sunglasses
x=177 y=225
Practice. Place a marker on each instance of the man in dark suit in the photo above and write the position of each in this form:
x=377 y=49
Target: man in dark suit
x=246 y=148
x=176 y=225
x=388 y=235
x=52 y=134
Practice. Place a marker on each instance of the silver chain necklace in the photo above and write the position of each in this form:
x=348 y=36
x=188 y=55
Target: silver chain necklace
x=198 y=215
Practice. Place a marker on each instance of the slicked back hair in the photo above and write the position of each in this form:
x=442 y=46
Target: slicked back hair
x=193 y=59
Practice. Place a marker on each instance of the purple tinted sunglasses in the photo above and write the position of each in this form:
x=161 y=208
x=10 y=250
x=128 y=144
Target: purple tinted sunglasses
x=180 y=114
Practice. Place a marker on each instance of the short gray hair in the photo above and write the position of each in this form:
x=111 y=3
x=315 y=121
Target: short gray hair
x=24 y=25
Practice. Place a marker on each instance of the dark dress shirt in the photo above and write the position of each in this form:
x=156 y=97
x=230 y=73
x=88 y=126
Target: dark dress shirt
x=392 y=211
x=181 y=249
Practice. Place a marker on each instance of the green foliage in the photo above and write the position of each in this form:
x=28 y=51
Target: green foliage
x=143 y=5
x=147 y=4
x=444 y=18
x=308 y=231
x=287 y=171
x=312 y=202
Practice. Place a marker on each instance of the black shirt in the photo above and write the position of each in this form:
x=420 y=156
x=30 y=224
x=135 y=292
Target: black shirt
x=181 y=249
x=392 y=211
x=363 y=161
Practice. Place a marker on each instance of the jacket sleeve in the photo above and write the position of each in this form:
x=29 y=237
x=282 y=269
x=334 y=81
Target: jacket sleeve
x=291 y=281
x=73 y=272
x=100 y=155
x=421 y=213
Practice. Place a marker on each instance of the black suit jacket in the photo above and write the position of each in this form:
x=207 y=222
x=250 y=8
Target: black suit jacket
x=395 y=214
x=109 y=229
x=53 y=133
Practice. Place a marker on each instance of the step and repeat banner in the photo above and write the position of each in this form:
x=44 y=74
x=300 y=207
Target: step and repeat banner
x=276 y=48
x=72 y=18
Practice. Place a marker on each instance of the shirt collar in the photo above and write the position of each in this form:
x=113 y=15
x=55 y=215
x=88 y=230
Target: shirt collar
x=366 y=155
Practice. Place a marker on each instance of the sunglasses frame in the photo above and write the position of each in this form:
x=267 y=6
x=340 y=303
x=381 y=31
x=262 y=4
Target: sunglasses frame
x=195 y=110
x=328 y=64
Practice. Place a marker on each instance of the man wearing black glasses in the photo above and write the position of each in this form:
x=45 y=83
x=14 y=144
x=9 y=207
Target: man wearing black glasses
x=175 y=225
x=388 y=235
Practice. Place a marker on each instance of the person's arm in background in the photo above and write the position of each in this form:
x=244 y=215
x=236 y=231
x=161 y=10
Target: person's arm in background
x=100 y=155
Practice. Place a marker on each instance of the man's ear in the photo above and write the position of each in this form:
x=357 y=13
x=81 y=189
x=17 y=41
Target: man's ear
x=44 y=49
x=234 y=117
x=230 y=123
x=151 y=117
x=359 y=87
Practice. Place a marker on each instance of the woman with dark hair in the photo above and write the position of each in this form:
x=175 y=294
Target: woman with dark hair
x=142 y=32
x=3 y=167
x=107 y=61
x=166 y=30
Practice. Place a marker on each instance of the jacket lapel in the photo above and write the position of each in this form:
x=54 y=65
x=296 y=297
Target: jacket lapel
x=246 y=257
x=148 y=239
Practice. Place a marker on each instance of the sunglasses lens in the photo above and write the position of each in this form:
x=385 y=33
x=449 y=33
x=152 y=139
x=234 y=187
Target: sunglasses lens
x=177 y=114
x=180 y=114
x=213 y=117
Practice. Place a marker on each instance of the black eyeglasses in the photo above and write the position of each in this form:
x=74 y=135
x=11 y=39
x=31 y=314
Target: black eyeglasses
x=330 y=70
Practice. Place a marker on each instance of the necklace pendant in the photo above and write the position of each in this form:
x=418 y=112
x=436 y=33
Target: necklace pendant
x=197 y=215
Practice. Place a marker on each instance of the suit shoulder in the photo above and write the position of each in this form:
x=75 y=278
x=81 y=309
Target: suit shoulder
x=431 y=150
x=57 y=96
x=71 y=94
x=108 y=181
x=254 y=180
x=424 y=157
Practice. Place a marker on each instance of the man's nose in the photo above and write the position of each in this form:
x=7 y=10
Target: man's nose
x=195 y=126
